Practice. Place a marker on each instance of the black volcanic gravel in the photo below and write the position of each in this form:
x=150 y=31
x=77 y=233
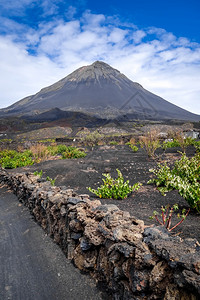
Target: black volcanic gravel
x=81 y=173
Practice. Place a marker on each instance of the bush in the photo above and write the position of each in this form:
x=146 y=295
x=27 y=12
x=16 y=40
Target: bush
x=61 y=148
x=92 y=138
x=39 y=151
x=170 y=144
x=114 y=188
x=10 y=159
x=183 y=141
x=184 y=177
x=73 y=152
x=197 y=145
x=150 y=142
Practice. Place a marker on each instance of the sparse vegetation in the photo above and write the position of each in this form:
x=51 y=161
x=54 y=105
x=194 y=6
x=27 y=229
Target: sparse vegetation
x=52 y=181
x=5 y=140
x=132 y=145
x=47 y=141
x=114 y=188
x=150 y=142
x=113 y=143
x=166 y=216
x=170 y=144
x=183 y=141
x=11 y=159
x=38 y=173
x=92 y=138
x=40 y=152
x=134 y=148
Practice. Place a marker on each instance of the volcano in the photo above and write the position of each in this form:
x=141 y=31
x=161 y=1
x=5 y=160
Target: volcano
x=100 y=90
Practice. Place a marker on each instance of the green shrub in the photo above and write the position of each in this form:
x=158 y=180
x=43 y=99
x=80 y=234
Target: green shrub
x=184 y=141
x=5 y=140
x=170 y=144
x=73 y=152
x=92 y=138
x=179 y=142
x=114 y=188
x=61 y=148
x=133 y=147
x=10 y=159
x=113 y=143
x=197 y=145
x=184 y=176
x=56 y=149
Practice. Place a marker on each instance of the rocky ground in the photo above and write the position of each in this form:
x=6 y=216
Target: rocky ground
x=79 y=174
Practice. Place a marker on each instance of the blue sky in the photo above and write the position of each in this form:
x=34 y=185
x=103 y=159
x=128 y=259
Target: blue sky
x=155 y=43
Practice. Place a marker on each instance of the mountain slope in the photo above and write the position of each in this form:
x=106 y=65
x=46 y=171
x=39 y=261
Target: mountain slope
x=68 y=117
x=101 y=90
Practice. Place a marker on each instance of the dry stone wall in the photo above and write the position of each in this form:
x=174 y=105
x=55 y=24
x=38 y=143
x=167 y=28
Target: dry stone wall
x=132 y=260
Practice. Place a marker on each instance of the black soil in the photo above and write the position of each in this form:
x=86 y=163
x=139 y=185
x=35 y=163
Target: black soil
x=79 y=174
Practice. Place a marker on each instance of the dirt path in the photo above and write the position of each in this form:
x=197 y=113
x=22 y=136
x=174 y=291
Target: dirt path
x=31 y=266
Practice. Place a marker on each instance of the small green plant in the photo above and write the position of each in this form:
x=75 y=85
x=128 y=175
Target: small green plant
x=5 y=140
x=113 y=143
x=114 y=188
x=52 y=181
x=38 y=173
x=133 y=147
x=166 y=216
x=73 y=152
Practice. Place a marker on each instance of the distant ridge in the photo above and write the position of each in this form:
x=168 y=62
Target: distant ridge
x=102 y=91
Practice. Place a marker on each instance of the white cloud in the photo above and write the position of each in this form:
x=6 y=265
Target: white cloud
x=117 y=35
x=138 y=35
x=162 y=63
x=21 y=74
x=18 y=8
